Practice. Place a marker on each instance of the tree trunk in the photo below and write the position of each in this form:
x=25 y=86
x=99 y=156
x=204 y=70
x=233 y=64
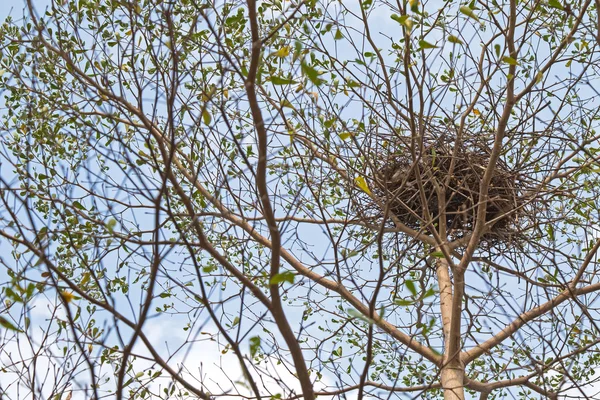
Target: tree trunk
x=453 y=371
x=453 y=382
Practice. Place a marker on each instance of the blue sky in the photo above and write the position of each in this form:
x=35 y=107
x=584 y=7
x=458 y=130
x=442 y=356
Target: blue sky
x=13 y=8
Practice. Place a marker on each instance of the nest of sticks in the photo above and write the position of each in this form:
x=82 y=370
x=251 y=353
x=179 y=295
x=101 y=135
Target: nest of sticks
x=458 y=171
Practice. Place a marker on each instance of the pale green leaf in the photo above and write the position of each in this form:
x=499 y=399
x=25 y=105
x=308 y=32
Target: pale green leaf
x=469 y=12
x=510 y=60
x=410 y=285
x=278 y=80
x=426 y=45
x=286 y=276
x=206 y=117
x=356 y=314
x=454 y=39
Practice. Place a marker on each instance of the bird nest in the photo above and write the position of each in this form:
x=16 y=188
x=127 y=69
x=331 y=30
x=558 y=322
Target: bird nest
x=409 y=183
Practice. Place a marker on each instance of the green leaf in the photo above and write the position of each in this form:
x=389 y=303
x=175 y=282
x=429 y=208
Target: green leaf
x=282 y=52
x=312 y=74
x=414 y=5
x=12 y=295
x=29 y=290
x=78 y=205
x=400 y=19
x=348 y=254
x=287 y=103
x=297 y=49
x=410 y=285
x=85 y=279
x=286 y=276
x=437 y=254
x=403 y=20
x=404 y=302
x=430 y=292
x=469 y=12
x=110 y=225
x=426 y=45
x=254 y=345
x=345 y=135
x=510 y=60
x=206 y=117
x=338 y=35
x=338 y=352
x=555 y=4
x=245 y=71
x=550 y=231
x=355 y=314
x=454 y=39
x=397 y=17
x=278 y=80
x=42 y=234
x=209 y=268
x=6 y=324
x=362 y=183
x=538 y=77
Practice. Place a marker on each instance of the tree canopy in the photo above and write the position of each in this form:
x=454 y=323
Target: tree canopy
x=287 y=199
